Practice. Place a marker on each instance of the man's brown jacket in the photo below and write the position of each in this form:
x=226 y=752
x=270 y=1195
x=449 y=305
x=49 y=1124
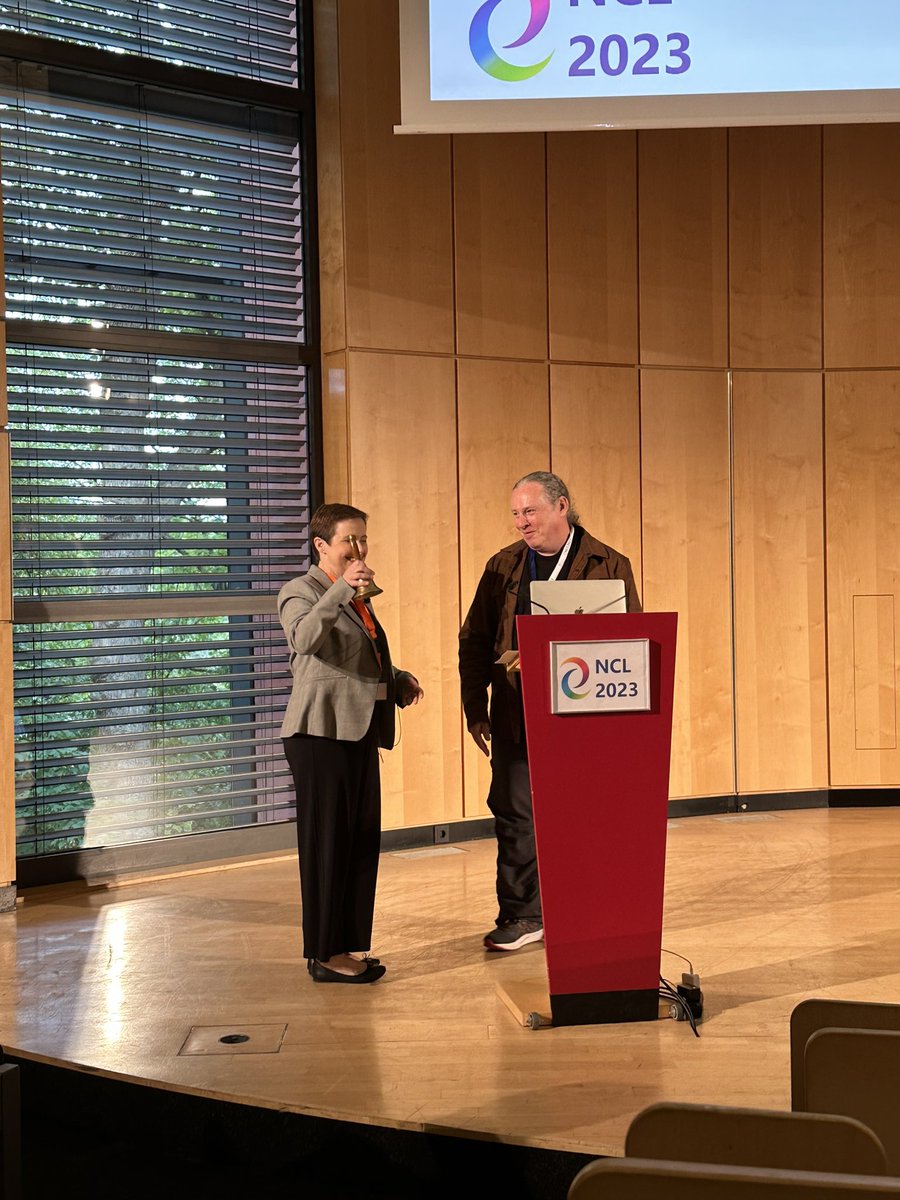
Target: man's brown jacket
x=488 y=629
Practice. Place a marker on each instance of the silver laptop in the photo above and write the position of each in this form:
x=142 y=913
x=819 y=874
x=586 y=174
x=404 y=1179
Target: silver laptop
x=578 y=596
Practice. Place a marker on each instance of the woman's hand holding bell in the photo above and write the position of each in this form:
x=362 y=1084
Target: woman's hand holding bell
x=357 y=574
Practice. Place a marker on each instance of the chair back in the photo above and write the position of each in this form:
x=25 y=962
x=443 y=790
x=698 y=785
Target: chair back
x=856 y=1073
x=654 y=1179
x=755 y=1137
x=812 y=1015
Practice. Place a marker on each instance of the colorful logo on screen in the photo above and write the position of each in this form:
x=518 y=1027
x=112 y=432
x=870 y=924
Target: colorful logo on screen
x=581 y=668
x=488 y=58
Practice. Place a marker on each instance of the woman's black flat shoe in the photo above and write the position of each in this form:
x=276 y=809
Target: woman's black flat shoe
x=322 y=974
x=370 y=962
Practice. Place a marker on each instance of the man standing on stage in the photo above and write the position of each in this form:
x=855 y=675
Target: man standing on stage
x=553 y=546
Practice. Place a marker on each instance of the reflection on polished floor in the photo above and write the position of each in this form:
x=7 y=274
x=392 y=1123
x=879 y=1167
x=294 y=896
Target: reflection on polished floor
x=771 y=908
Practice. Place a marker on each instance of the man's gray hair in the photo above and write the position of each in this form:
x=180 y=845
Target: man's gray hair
x=553 y=488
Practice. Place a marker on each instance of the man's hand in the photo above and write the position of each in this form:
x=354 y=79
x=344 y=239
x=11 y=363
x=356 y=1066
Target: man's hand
x=481 y=735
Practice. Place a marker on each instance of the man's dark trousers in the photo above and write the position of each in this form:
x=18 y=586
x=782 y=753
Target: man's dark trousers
x=509 y=799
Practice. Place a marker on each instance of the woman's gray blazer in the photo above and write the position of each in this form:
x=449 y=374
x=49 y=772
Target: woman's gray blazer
x=333 y=663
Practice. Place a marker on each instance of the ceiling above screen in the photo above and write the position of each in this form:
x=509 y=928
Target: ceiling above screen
x=470 y=66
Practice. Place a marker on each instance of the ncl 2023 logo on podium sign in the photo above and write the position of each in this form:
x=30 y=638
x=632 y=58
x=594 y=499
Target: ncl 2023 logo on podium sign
x=600 y=677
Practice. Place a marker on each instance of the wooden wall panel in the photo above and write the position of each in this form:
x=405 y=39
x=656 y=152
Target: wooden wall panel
x=874 y=672
x=397 y=197
x=335 y=429
x=775 y=203
x=501 y=245
x=685 y=472
x=403 y=452
x=330 y=170
x=503 y=434
x=862 y=245
x=592 y=246
x=701 y=250
x=862 y=469
x=596 y=448
x=683 y=232
x=779 y=582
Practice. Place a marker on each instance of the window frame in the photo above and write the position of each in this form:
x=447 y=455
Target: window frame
x=201 y=83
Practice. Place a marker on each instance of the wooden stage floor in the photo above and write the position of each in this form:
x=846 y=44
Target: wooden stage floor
x=771 y=908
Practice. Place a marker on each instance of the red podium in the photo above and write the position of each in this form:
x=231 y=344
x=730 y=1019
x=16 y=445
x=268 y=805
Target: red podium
x=598 y=715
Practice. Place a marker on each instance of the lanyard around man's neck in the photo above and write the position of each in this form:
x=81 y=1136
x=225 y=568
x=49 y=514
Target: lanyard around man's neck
x=563 y=555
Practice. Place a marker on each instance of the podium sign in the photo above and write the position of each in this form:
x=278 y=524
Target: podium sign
x=600 y=788
x=600 y=677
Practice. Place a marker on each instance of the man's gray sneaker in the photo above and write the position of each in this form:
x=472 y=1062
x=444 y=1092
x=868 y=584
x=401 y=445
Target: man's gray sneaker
x=514 y=934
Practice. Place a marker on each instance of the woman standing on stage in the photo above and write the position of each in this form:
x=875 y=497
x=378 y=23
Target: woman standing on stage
x=341 y=710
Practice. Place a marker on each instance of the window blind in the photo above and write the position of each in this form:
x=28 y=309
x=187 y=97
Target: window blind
x=137 y=475
x=139 y=729
x=158 y=418
x=257 y=38
x=126 y=216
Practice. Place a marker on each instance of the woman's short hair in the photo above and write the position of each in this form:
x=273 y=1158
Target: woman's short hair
x=326 y=519
x=554 y=488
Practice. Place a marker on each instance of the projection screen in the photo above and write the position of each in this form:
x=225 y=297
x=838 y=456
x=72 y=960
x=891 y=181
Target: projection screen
x=471 y=66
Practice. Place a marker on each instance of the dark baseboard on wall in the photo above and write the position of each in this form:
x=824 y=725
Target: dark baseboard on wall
x=704 y=806
x=701 y=806
x=107 y=863
x=864 y=797
x=417 y=836
x=754 y=802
